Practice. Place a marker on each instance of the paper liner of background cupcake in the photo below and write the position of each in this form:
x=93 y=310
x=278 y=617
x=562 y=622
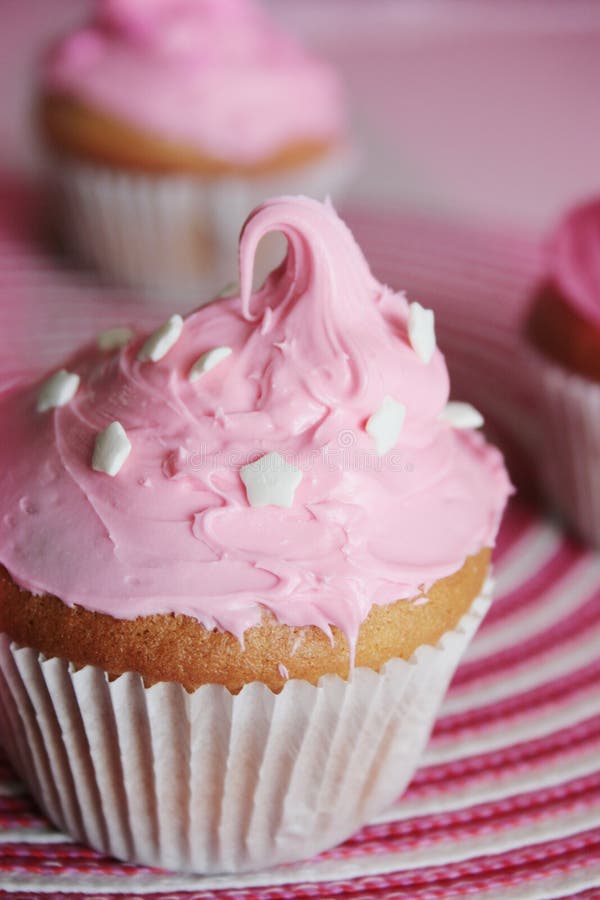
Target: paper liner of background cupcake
x=118 y=520
x=167 y=123
x=175 y=236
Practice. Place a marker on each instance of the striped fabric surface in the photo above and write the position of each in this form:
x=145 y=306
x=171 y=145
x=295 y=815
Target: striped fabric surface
x=507 y=802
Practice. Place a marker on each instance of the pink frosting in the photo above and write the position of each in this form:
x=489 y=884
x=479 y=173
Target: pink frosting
x=314 y=352
x=214 y=74
x=574 y=260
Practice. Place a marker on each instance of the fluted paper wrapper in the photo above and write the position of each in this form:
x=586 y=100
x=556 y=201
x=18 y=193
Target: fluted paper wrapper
x=177 y=235
x=211 y=782
x=569 y=409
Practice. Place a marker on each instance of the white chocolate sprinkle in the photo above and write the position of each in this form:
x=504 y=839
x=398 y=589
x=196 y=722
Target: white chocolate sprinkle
x=385 y=425
x=421 y=331
x=461 y=415
x=111 y=449
x=208 y=361
x=57 y=390
x=162 y=340
x=114 y=338
x=270 y=481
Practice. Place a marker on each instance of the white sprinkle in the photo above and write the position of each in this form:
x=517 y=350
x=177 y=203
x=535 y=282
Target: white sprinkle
x=270 y=481
x=208 y=361
x=111 y=449
x=385 y=425
x=461 y=415
x=421 y=331
x=160 y=342
x=57 y=390
x=114 y=338
x=283 y=671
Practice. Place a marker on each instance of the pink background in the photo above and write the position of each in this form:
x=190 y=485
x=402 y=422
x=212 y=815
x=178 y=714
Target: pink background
x=484 y=110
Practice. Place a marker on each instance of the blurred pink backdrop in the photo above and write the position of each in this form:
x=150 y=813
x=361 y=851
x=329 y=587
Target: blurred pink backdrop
x=484 y=111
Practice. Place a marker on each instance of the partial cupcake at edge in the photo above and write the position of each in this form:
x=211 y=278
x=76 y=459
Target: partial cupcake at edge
x=265 y=525
x=167 y=121
x=563 y=327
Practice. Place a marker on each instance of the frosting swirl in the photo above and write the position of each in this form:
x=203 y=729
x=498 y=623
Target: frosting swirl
x=214 y=74
x=313 y=354
x=573 y=255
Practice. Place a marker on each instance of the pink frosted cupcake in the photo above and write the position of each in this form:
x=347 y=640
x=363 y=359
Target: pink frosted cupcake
x=243 y=556
x=564 y=328
x=168 y=120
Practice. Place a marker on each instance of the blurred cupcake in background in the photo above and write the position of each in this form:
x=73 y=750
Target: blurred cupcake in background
x=168 y=120
x=564 y=327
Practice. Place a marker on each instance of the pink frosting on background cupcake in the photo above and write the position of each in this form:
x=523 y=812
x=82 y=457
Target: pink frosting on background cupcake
x=574 y=260
x=213 y=74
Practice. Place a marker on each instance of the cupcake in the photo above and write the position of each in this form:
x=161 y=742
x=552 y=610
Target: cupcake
x=564 y=329
x=242 y=557
x=168 y=120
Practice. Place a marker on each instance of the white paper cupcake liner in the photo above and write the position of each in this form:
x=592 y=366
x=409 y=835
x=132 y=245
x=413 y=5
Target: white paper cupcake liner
x=176 y=235
x=210 y=782
x=569 y=408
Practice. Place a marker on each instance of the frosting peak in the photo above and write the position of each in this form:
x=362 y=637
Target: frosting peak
x=325 y=279
x=322 y=253
x=574 y=260
x=187 y=28
x=373 y=495
x=216 y=75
